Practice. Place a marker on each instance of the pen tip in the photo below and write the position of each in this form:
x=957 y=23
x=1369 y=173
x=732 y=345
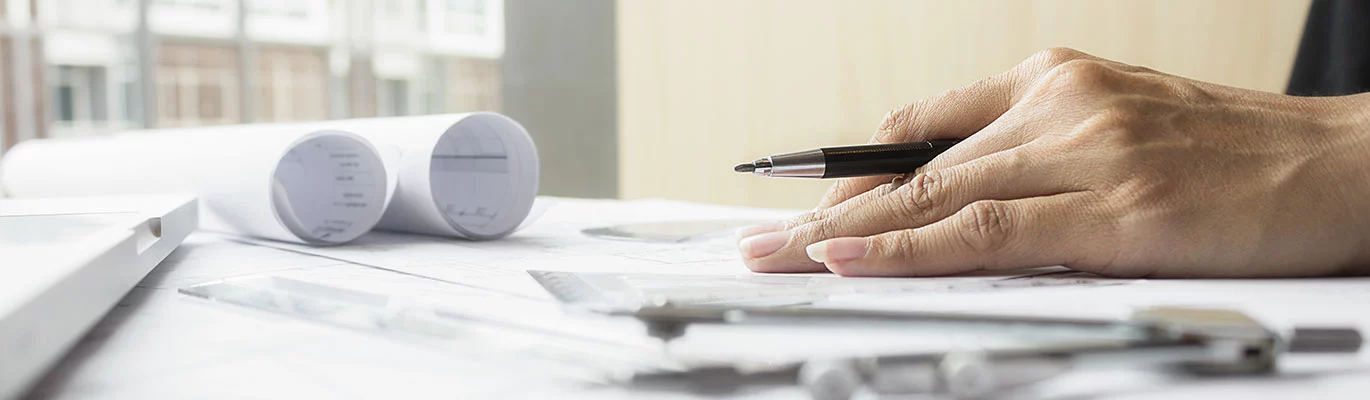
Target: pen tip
x=744 y=167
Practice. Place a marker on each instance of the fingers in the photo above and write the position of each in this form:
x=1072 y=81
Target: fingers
x=956 y=113
x=761 y=240
x=927 y=198
x=816 y=215
x=1012 y=130
x=1063 y=229
x=846 y=206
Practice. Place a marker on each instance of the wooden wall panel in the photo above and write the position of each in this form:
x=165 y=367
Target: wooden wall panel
x=706 y=84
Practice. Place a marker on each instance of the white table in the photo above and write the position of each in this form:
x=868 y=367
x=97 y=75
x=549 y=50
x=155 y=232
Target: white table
x=161 y=344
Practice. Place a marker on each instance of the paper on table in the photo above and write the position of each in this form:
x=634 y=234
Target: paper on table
x=504 y=332
x=751 y=345
x=471 y=176
x=158 y=344
x=276 y=182
x=555 y=242
x=645 y=270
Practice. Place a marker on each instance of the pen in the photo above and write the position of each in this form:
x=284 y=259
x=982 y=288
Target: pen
x=849 y=161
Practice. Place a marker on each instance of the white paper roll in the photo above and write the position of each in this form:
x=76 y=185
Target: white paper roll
x=472 y=176
x=273 y=181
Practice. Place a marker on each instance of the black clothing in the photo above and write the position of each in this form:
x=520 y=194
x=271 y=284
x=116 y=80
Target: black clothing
x=1334 y=54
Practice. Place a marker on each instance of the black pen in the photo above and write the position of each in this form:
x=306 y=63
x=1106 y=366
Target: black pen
x=849 y=161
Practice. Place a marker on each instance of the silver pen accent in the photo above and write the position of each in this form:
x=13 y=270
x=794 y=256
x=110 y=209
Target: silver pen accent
x=804 y=164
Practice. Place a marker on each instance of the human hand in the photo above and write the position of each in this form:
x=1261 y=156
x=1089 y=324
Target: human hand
x=1104 y=167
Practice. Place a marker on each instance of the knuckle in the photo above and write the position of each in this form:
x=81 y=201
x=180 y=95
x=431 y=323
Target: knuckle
x=910 y=121
x=887 y=189
x=985 y=226
x=1018 y=162
x=1120 y=122
x=925 y=192
x=893 y=248
x=1079 y=80
x=815 y=231
x=906 y=245
x=1141 y=190
x=1078 y=74
x=1118 y=119
x=1053 y=56
x=895 y=122
x=1192 y=94
x=1015 y=162
x=806 y=218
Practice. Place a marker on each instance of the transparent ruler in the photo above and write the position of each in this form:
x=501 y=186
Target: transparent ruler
x=631 y=290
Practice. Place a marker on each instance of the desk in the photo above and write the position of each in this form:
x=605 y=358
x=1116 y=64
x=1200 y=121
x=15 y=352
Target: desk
x=158 y=343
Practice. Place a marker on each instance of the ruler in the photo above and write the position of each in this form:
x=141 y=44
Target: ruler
x=643 y=289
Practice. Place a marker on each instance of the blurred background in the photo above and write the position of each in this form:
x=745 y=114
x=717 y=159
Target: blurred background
x=626 y=99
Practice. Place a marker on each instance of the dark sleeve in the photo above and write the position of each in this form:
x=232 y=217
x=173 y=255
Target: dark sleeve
x=1334 y=54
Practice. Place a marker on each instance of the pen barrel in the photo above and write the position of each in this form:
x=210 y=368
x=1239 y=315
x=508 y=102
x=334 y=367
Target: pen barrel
x=881 y=159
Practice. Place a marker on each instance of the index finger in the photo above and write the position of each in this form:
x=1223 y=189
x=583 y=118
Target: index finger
x=953 y=114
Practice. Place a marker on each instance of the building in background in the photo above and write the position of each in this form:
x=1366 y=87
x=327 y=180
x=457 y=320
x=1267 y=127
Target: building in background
x=86 y=67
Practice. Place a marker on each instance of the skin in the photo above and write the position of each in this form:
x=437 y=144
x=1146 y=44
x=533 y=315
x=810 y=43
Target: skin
x=1105 y=167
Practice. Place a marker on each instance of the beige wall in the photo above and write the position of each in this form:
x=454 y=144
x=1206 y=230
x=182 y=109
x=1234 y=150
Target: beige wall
x=704 y=85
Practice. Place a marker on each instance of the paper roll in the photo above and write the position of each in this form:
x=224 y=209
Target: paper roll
x=472 y=176
x=273 y=181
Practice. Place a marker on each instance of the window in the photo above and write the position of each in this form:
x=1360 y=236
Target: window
x=421 y=17
x=466 y=17
x=292 y=9
x=204 y=5
x=79 y=93
x=80 y=100
x=392 y=8
x=291 y=84
x=475 y=85
x=393 y=97
x=197 y=85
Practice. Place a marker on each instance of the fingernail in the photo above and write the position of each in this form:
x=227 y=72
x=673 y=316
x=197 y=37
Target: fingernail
x=749 y=231
x=838 y=250
x=764 y=244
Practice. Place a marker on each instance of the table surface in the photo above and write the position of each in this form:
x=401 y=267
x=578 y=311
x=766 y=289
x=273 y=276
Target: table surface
x=158 y=343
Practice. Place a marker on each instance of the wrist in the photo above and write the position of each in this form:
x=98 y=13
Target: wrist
x=1346 y=121
x=1358 y=114
x=1352 y=124
x=1358 y=129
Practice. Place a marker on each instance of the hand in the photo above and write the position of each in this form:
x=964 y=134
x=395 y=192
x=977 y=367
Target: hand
x=1104 y=167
